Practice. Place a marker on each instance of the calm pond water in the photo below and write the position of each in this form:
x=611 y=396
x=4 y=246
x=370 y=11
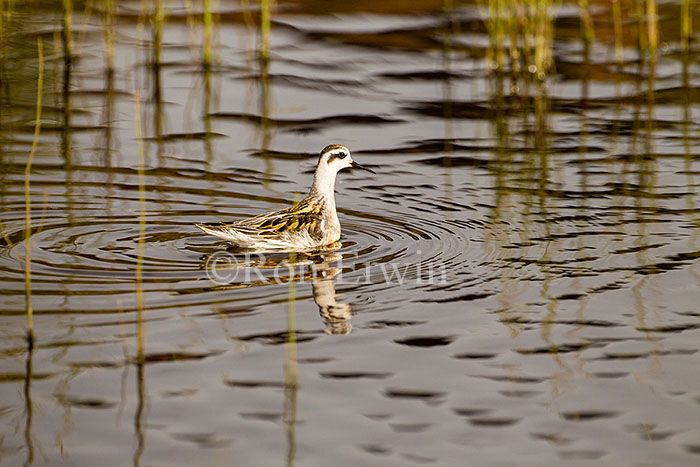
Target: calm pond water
x=518 y=284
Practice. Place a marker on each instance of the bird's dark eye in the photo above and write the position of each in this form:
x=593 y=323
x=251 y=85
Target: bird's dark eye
x=337 y=155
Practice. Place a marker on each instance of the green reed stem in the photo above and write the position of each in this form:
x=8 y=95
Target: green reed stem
x=29 y=407
x=499 y=17
x=142 y=17
x=4 y=37
x=617 y=28
x=586 y=22
x=525 y=24
x=67 y=36
x=513 y=29
x=265 y=112
x=652 y=26
x=139 y=432
x=83 y=26
x=642 y=38
x=543 y=41
x=142 y=225
x=686 y=114
x=158 y=23
x=5 y=14
x=208 y=28
x=290 y=367
x=206 y=117
x=27 y=197
x=192 y=24
x=265 y=29
x=291 y=376
x=108 y=24
x=686 y=25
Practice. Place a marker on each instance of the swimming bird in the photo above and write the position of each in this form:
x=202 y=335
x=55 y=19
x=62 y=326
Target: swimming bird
x=311 y=223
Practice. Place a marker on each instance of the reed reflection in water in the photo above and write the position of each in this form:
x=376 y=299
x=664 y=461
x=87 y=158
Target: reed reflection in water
x=540 y=156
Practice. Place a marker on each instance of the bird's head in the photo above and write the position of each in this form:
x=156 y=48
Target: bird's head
x=337 y=158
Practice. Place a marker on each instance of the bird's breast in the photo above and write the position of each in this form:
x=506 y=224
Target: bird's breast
x=330 y=228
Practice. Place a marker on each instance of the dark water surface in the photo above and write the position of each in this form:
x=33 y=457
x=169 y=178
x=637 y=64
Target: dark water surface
x=519 y=283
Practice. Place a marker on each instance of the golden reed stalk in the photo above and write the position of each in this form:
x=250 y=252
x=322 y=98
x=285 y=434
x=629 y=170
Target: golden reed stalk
x=27 y=197
x=142 y=225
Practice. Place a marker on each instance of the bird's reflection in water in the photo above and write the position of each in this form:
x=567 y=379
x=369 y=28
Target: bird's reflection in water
x=335 y=314
x=234 y=268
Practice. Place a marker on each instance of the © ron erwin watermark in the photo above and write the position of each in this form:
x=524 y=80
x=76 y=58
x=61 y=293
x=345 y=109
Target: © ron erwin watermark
x=225 y=268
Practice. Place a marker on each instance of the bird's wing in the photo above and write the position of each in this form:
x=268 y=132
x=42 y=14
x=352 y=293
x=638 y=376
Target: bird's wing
x=305 y=216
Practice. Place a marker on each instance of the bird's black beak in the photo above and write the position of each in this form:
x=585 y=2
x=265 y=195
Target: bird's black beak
x=355 y=165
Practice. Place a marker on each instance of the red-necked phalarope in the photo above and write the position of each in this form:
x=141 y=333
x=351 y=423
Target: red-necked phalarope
x=310 y=224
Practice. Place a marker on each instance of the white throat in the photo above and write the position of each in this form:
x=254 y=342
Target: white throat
x=324 y=182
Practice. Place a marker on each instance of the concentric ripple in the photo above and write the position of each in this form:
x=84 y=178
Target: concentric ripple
x=91 y=249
